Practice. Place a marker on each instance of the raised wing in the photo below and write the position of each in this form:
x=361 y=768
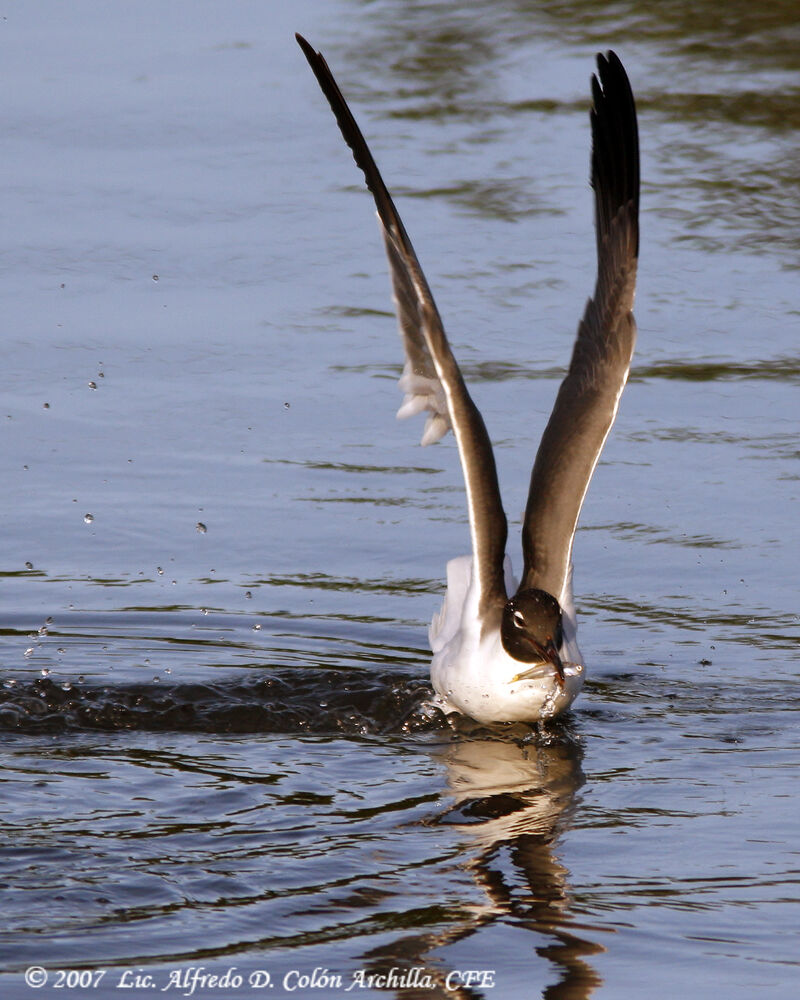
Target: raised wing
x=587 y=400
x=432 y=379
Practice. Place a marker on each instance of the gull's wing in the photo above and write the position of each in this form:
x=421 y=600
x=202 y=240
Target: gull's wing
x=587 y=401
x=432 y=379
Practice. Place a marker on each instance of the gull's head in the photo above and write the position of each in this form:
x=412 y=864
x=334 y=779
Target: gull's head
x=531 y=632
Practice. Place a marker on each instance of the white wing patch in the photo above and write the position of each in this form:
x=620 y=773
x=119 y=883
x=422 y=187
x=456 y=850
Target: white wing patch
x=421 y=392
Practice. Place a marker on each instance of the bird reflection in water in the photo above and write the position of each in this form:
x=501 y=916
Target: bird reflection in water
x=509 y=800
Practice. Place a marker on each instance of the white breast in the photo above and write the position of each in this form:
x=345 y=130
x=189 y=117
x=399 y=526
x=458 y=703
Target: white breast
x=473 y=674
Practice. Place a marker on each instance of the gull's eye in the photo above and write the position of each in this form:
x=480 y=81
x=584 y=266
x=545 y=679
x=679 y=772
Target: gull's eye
x=519 y=620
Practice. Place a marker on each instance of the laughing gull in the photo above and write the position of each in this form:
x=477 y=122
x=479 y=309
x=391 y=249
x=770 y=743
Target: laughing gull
x=498 y=658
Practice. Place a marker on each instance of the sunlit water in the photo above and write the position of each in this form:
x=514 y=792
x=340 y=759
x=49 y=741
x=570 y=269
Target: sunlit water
x=218 y=751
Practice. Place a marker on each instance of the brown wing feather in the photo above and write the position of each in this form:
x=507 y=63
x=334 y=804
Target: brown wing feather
x=586 y=404
x=429 y=357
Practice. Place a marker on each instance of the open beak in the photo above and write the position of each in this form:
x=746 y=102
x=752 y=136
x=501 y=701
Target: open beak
x=549 y=654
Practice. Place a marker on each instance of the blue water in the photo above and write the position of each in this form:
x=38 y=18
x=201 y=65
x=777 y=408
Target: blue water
x=217 y=757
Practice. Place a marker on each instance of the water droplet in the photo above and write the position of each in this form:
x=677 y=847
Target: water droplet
x=156 y=679
x=66 y=686
x=256 y=628
x=93 y=385
x=286 y=406
x=159 y=570
x=201 y=527
x=167 y=670
x=42 y=630
x=549 y=705
x=46 y=406
x=155 y=277
x=81 y=678
x=48 y=620
x=61 y=650
x=28 y=565
x=204 y=611
x=247 y=595
x=88 y=518
x=30 y=651
x=45 y=671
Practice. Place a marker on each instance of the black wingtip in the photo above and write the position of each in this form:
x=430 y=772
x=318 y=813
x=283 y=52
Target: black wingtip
x=308 y=50
x=615 y=145
x=316 y=60
x=353 y=137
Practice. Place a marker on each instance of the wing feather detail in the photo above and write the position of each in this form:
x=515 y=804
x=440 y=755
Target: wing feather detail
x=587 y=401
x=431 y=378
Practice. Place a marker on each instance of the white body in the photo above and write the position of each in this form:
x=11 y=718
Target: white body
x=476 y=676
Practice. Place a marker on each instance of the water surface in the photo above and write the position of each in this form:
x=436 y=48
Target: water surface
x=217 y=747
